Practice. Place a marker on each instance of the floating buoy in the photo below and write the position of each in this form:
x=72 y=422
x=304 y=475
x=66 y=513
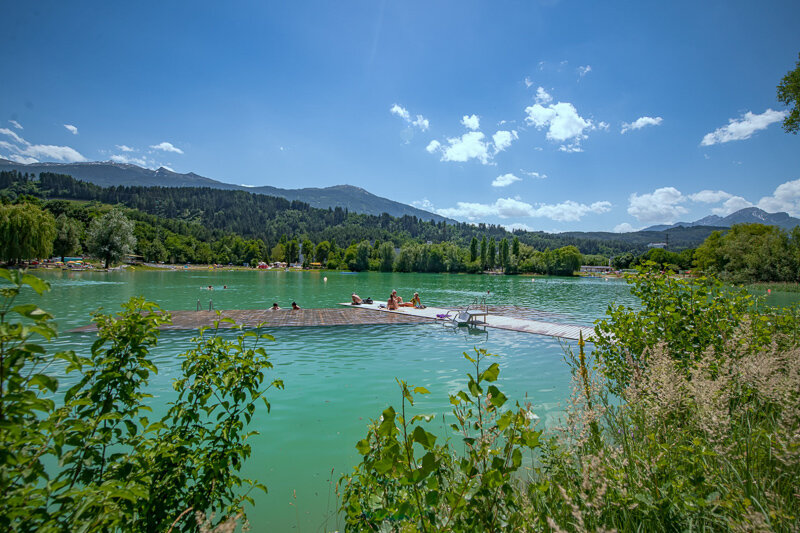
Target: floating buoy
x=325 y=279
x=769 y=291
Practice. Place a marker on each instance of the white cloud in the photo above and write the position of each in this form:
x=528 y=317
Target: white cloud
x=421 y=122
x=731 y=205
x=542 y=96
x=166 y=147
x=471 y=145
x=603 y=125
x=15 y=124
x=528 y=81
x=660 y=206
x=14 y=136
x=785 y=198
x=433 y=146
x=571 y=148
x=640 y=123
x=583 y=71
x=505 y=180
x=118 y=158
x=561 y=120
x=72 y=129
x=125 y=148
x=503 y=139
x=471 y=122
x=743 y=128
x=707 y=196
x=22 y=159
x=401 y=112
x=624 y=228
x=40 y=151
x=568 y=211
x=536 y=175
x=48 y=151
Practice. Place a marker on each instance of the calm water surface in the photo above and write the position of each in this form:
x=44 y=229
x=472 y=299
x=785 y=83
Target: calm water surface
x=337 y=378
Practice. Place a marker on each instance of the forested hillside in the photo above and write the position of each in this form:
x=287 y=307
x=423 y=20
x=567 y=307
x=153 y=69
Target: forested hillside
x=256 y=216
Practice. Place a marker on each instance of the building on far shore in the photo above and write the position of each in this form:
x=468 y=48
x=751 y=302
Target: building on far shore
x=592 y=269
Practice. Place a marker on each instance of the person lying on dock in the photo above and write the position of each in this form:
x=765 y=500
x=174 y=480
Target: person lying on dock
x=356 y=299
x=275 y=307
x=295 y=306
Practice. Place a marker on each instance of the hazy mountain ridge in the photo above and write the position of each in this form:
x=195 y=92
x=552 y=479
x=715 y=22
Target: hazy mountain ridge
x=109 y=173
x=748 y=215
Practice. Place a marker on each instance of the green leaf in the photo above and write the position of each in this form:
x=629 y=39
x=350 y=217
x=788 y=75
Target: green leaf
x=491 y=373
x=497 y=397
x=35 y=283
x=363 y=446
x=421 y=390
x=426 y=439
x=44 y=382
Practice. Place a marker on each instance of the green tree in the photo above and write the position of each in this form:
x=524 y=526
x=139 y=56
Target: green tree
x=515 y=246
x=111 y=237
x=504 y=253
x=322 y=251
x=473 y=249
x=491 y=259
x=308 y=250
x=789 y=94
x=26 y=232
x=68 y=234
x=484 y=250
x=360 y=261
x=386 y=254
x=155 y=252
x=292 y=251
x=278 y=253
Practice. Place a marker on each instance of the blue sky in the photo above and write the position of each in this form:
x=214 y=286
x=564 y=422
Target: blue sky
x=550 y=115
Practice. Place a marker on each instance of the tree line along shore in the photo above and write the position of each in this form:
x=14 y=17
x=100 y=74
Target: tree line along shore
x=56 y=215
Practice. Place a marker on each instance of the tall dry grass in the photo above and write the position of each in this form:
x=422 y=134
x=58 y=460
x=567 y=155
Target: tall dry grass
x=714 y=448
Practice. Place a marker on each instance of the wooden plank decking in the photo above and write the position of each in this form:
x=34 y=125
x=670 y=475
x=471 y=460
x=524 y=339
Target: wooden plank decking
x=277 y=319
x=508 y=318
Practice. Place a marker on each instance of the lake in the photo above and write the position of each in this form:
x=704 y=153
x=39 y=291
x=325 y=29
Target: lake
x=338 y=378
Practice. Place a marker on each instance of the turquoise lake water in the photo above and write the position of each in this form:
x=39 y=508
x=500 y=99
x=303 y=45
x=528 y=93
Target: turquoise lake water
x=338 y=378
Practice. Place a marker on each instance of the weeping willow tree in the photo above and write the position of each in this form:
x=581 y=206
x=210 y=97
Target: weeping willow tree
x=26 y=232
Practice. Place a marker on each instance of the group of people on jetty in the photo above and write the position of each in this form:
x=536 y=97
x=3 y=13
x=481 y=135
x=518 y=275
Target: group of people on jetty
x=395 y=301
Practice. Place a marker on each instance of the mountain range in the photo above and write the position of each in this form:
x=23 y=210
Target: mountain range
x=356 y=199
x=748 y=215
x=109 y=173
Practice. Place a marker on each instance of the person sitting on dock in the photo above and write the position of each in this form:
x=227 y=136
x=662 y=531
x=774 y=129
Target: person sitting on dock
x=295 y=306
x=275 y=307
x=391 y=305
x=417 y=302
x=356 y=299
x=398 y=300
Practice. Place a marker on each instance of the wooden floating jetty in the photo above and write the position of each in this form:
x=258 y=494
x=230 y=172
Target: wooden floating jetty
x=511 y=318
x=182 y=320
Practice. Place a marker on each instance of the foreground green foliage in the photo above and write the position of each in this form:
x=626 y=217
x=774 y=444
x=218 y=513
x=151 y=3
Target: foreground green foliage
x=700 y=433
x=689 y=317
x=91 y=459
x=410 y=482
